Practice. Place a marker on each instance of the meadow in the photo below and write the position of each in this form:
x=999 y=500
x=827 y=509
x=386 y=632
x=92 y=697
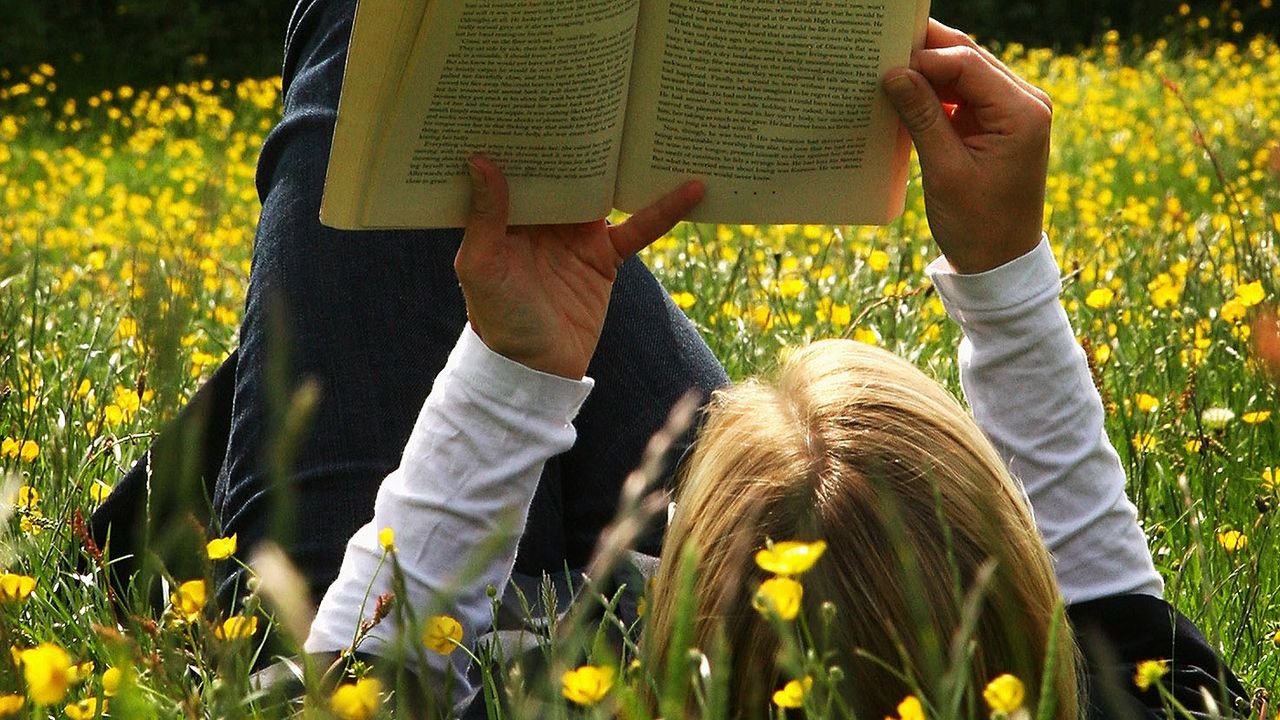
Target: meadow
x=126 y=227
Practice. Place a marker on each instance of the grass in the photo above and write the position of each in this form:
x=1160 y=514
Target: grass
x=126 y=223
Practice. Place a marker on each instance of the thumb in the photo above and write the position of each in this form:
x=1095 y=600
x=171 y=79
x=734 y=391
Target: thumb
x=488 y=217
x=922 y=114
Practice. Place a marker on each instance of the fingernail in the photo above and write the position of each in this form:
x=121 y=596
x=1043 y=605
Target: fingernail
x=481 y=202
x=477 y=177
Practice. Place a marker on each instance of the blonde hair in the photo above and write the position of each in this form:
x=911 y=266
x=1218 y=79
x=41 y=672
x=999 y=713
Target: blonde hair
x=855 y=446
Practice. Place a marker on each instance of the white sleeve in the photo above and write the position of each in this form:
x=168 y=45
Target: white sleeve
x=458 y=502
x=1028 y=383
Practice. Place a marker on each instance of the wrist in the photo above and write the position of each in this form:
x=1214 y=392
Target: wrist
x=1028 y=278
x=533 y=358
x=515 y=383
x=975 y=261
x=549 y=365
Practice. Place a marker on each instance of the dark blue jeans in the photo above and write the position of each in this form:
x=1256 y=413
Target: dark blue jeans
x=372 y=316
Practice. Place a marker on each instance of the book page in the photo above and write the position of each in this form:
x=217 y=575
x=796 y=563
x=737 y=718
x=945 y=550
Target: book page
x=775 y=105
x=381 y=41
x=538 y=86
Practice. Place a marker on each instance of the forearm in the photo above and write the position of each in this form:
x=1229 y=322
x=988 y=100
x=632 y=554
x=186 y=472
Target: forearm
x=1029 y=385
x=457 y=503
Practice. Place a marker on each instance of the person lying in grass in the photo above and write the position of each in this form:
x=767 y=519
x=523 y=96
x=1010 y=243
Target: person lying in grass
x=923 y=510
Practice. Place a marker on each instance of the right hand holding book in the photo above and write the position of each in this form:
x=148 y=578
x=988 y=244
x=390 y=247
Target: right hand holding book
x=985 y=162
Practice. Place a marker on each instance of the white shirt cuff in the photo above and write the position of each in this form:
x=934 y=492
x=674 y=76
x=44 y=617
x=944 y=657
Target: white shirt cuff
x=502 y=379
x=1021 y=280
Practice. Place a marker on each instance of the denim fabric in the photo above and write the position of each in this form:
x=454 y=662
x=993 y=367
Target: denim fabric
x=371 y=316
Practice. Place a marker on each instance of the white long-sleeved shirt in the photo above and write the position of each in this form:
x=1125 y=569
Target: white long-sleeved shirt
x=472 y=464
x=458 y=502
x=1029 y=387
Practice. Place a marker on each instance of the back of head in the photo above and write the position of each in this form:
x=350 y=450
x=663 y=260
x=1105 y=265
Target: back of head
x=857 y=447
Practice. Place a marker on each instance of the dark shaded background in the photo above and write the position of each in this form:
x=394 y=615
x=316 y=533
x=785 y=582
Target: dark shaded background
x=96 y=44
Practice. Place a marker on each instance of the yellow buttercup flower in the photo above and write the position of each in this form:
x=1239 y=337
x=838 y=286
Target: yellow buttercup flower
x=878 y=261
x=127 y=328
x=1149 y=673
x=1102 y=354
x=47 y=670
x=11 y=704
x=442 y=634
x=1099 y=298
x=86 y=709
x=587 y=685
x=357 y=701
x=893 y=290
x=1255 y=417
x=1146 y=403
x=1270 y=481
x=1233 y=540
x=1005 y=694
x=1163 y=295
x=1251 y=294
x=188 y=600
x=781 y=596
x=1144 y=442
x=792 y=694
x=387 y=539
x=684 y=299
x=15 y=588
x=790 y=558
x=792 y=287
x=841 y=315
x=237 y=627
x=32 y=522
x=28 y=498
x=99 y=491
x=1233 y=311
x=909 y=709
x=866 y=336
x=221 y=548
x=81 y=672
x=24 y=450
x=111 y=680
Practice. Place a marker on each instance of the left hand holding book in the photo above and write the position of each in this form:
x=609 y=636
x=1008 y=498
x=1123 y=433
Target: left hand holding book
x=538 y=294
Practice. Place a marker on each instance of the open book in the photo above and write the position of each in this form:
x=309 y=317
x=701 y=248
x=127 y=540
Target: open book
x=588 y=105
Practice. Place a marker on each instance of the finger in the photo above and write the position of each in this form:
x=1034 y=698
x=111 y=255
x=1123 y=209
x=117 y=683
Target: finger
x=948 y=95
x=998 y=64
x=654 y=221
x=942 y=36
x=976 y=83
x=487 y=221
x=994 y=101
x=925 y=118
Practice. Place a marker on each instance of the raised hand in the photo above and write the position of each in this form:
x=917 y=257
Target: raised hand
x=538 y=294
x=985 y=162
